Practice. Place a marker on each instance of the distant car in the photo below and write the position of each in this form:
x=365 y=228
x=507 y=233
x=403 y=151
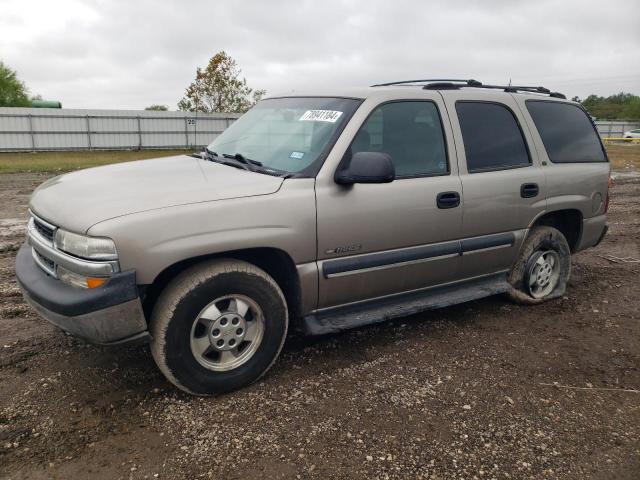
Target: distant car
x=632 y=133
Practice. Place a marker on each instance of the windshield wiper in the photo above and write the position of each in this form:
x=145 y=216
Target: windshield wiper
x=210 y=154
x=242 y=162
x=214 y=157
x=242 y=159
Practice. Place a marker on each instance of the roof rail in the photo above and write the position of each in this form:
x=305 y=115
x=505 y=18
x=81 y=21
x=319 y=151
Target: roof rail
x=404 y=82
x=516 y=89
x=453 y=83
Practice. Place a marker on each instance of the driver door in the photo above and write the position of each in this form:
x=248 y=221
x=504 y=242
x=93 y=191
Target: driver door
x=382 y=239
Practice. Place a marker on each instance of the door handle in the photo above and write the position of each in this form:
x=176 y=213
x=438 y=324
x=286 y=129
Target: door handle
x=529 y=190
x=448 y=199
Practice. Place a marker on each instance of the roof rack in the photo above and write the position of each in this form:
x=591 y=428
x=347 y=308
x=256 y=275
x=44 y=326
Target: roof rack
x=455 y=84
x=404 y=82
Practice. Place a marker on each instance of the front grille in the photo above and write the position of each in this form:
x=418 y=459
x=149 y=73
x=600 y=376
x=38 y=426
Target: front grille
x=46 y=263
x=44 y=230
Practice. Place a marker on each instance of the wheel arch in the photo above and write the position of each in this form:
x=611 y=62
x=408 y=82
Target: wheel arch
x=568 y=221
x=275 y=262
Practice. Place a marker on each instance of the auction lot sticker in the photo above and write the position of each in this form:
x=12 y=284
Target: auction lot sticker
x=321 y=116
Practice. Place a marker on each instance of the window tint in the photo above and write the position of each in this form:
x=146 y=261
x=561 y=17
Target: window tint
x=411 y=132
x=491 y=135
x=567 y=132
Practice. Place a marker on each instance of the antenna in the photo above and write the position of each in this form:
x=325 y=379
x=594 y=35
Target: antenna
x=195 y=126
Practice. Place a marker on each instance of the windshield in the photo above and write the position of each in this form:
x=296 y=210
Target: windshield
x=287 y=134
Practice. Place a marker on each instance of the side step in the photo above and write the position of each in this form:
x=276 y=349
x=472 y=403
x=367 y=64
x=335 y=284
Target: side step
x=379 y=310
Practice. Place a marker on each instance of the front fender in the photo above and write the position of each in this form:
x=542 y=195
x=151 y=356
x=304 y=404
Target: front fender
x=151 y=241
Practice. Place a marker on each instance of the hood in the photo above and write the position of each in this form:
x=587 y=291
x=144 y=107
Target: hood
x=78 y=200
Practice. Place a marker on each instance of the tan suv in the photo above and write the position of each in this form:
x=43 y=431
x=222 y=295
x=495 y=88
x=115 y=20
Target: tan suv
x=321 y=212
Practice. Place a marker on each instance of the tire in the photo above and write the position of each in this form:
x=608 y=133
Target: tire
x=534 y=264
x=204 y=301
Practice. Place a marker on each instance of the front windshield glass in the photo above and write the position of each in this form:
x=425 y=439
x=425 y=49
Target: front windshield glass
x=287 y=134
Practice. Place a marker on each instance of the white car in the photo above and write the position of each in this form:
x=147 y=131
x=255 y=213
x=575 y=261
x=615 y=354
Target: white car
x=632 y=133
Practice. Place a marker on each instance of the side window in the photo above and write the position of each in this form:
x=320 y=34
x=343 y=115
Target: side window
x=411 y=132
x=566 y=131
x=492 y=137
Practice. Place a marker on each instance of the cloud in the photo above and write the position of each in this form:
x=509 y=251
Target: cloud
x=123 y=54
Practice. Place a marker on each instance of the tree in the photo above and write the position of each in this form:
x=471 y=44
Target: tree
x=618 y=106
x=13 y=92
x=631 y=110
x=157 y=108
x=219 y=88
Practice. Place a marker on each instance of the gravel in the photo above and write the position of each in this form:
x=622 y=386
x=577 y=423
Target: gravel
x=472 y=391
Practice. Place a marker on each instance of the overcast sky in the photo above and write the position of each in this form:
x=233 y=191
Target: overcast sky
x=130 y=54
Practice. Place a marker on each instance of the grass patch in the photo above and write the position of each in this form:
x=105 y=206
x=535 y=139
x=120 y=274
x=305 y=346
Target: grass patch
x=623 y=157
x=66 y=161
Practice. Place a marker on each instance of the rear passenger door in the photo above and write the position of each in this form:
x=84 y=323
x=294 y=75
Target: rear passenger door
x=503 y=184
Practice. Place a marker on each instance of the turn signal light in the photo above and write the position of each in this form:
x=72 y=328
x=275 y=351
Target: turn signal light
x=95 y=282
x=77 y=280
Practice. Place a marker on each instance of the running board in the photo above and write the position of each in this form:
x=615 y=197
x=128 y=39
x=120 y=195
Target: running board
x=379 y=310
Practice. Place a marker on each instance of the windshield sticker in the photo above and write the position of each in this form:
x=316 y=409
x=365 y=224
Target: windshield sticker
x=297 y=155
x=321 y=116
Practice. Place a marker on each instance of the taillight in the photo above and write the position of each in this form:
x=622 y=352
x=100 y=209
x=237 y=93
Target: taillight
x=606 y=203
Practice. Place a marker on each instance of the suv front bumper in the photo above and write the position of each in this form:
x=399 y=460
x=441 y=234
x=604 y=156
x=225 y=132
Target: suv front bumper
x=109 y=314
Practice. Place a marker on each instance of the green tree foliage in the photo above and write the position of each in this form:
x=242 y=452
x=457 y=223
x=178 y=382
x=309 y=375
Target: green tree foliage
x=219 y=88
x=622 y=106
x=13 y=92
x=631 y=110
x=157 y=108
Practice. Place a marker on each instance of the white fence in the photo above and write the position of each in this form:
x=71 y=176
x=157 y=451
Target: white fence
x=45 y=129
x=614 y=129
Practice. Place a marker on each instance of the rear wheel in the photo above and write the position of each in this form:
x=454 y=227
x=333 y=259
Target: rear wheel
x=218 y=326
x=543 y=267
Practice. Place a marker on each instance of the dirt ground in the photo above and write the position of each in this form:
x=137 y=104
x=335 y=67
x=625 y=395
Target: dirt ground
x=463 y=392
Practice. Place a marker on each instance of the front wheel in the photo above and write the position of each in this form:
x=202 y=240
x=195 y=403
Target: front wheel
x=218 y=326
x=543 y=267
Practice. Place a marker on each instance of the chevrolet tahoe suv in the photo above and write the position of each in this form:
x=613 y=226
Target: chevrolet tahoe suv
x=319 y=212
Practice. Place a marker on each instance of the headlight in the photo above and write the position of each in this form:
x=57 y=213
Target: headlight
x=91 y=248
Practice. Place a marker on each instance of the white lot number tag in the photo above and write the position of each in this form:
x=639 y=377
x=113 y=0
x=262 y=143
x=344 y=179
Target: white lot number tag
x=320 y=116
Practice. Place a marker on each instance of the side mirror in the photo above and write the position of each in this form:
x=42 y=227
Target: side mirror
x=367 y=167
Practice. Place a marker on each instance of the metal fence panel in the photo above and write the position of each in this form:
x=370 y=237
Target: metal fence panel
x=615 y=129
x=20 y=141
x=35 y=129
x=59 y=141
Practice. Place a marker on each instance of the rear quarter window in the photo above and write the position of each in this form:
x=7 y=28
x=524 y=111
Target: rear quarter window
x=566 y=131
